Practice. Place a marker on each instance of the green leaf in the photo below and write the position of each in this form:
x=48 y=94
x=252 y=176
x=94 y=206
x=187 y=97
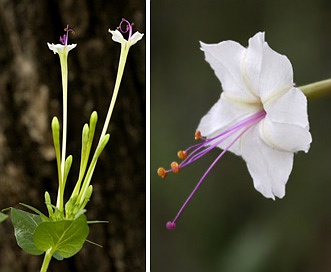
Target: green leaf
x=3 y=216
x=24 y=226
x=42 y=216
x=65 y=237
x=58 y=256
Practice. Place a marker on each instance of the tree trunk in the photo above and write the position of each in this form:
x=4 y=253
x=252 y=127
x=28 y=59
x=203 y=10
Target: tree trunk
x=31 y=94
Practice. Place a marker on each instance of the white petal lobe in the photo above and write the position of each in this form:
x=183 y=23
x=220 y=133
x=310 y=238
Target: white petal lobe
x=285 y=137
x=269 y=168
x=268 y=73
x=117 y=36
x=225 y=59
x=137 y=36
x=290 y=108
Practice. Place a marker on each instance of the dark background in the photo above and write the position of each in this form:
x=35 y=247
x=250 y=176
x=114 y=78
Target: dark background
x=229 y=226
x=31 y=94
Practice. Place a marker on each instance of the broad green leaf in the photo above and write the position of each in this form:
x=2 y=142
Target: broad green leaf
x=42 y=216
x=64 y=237
x=58 y=256
x=24 y=226
x=3 y=216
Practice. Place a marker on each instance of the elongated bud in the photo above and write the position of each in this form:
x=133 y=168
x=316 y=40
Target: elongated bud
x=48 y=204
x=55 y=126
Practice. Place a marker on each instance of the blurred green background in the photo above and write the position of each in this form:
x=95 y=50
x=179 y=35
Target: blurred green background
x=229 y=226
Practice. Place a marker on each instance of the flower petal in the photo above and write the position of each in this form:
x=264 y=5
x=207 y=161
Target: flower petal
x=137 y=36
x=71 y=46
x=58 y=48
x=291 y=138
x=268 y=73
x=269 y=168
x=55 y=47
x=221 y=116
x=290 y=108
x=225 y=58
x=286 y=125
x=117 y=36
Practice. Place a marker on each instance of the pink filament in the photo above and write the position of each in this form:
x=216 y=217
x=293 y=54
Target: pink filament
x=246 y=124
x=64 y=38
x=127 y=28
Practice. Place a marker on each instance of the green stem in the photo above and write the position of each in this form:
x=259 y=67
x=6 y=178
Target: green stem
x=88 y=177
x=47 y=259
x=64 y=73
x=124 y=53
x=317 y=88
x=103 y=140
x=65 y=95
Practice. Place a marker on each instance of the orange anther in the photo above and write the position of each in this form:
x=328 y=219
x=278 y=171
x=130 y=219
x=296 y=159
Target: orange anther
x=162 y=172
x=197 y=135
x=175 y=167
x=182 y=154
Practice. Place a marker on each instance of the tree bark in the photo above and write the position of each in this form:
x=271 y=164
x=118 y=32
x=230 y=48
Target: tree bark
x=31 y=94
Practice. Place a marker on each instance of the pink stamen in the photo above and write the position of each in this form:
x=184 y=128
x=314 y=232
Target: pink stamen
x=128 y=27
x=201 y=149
x=64 y=38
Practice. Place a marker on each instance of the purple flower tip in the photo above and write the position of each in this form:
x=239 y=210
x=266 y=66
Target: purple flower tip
x=171 y=225
x=64 y=38
x=126 y=28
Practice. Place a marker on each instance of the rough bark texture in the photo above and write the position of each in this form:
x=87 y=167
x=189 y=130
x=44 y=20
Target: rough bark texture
x=30 y=95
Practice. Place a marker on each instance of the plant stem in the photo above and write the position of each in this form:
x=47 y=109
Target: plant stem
x=64 y=70
x=47 y=259
x=124 y=53
x=121 y=65
x=64 y=73
x=317 y=88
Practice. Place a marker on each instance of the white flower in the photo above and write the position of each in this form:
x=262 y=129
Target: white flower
x=60 y=48
x=260 y=116
x=118 y=37
x=258 y=80
x=63 y=48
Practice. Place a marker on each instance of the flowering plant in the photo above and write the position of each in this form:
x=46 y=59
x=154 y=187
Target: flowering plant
x=62 y=233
